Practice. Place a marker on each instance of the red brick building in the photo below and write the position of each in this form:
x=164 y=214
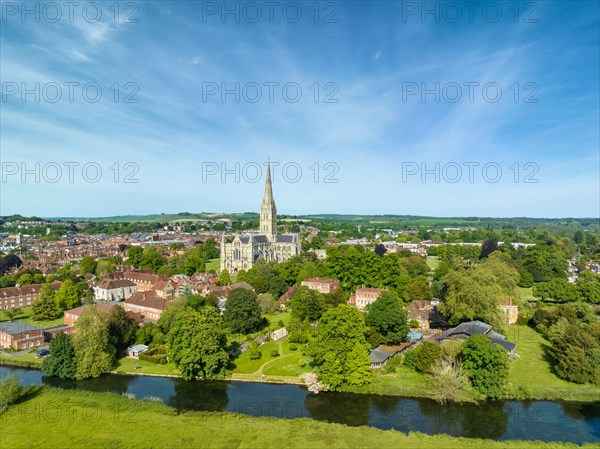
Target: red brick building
x=148 y=304
x=17 y=335
x=12 y=297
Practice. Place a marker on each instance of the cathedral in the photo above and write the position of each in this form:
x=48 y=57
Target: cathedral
x=246 y=249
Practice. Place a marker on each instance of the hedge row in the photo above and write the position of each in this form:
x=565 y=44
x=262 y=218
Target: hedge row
x=154 y=355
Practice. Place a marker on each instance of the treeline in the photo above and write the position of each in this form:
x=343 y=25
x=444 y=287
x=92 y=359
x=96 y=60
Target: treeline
x=100 y=339
x=574 y=334
x=193 y=260
x=405 y=273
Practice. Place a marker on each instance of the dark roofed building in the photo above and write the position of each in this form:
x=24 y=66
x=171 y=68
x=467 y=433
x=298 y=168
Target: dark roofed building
x=469 y=328
x=17 y=335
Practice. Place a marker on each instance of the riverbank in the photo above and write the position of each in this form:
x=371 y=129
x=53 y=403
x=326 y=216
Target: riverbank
x=530 y=377
x=69 y=419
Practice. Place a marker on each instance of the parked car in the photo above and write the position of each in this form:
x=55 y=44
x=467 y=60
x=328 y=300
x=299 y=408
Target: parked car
x=42 y=353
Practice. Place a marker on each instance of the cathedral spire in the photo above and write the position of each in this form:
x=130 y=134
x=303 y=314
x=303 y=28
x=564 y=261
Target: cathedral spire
x=268 y=210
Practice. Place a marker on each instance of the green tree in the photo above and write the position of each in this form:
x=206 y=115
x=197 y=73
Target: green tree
x=428 y=357
x=197 y=344
x=87 y=265
x=68 y=296
x=486 y=365
x=307 y=304
x=169 y=315
x=340 y=348
x=44 y=308
x=10 y=391
x=267 y=303
x=387 y=316
x=152 y=258
x=134 y=255
x=61 y=362
x=104 y=267
x=224 y=277
x=242 y=312
x=122 y=329
x=93 y=352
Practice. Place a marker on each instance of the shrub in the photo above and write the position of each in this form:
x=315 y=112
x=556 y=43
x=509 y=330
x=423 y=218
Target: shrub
x=254 y=354
x=410 y=357
x=281 y=324
x=447 y=382
x=392 y=365
x=10 y=391
x=274 y=353
x=428 y=356
x=155 y=355
x=302 y=362
x=293 y=347
x=414 y=324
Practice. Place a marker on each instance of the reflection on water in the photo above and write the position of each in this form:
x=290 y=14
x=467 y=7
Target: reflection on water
x=499 y=420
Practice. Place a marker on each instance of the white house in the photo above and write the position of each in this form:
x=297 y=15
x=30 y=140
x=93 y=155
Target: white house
x=114 y=289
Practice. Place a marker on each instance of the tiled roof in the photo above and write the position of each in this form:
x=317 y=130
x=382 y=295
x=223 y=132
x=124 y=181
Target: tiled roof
x=109 y=284
x=16 y=327
x=32 y=289
x=148 y=299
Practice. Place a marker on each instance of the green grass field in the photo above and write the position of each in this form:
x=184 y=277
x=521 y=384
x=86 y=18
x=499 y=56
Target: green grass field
x=274 y=319
x=213 y=264
x=88 y=420
x=127 y=365
x=26 y=317
x=244 y=365
x=526 y=294
x=531 y=374
x=433 y=262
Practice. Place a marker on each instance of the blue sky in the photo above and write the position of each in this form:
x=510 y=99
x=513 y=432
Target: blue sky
x=374 y=58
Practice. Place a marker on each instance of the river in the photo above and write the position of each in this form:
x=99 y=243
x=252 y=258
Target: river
x=498 y=420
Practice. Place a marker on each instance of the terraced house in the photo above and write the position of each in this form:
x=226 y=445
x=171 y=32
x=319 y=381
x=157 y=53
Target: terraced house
x=12 y=297
x=17 y=335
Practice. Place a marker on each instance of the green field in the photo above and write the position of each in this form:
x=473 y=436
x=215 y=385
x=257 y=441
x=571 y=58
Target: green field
x=105 y=420
x=433 y=262
x=26 y=317
x=127 y=365
x=531 y=375
x=213 y=265
x=274 y=319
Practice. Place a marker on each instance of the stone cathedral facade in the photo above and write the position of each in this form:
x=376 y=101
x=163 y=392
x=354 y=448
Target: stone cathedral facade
x=246 y=249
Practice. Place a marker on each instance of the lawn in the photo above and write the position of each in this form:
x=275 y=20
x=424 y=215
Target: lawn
x=433 y=262
x=244 y=365
x=531 y=374
x=288 y=365
x=26 y=317
x=127 y=365
x=27 y=360
x=526 y=294
x=81 y=419
x=274 y=319
x=404 y=382
x=213 y=264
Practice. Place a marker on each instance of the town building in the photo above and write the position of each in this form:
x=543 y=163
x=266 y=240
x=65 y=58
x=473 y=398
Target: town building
x=365 y=296
x=12 y=297
x=322 y=285
x=469 y=328
x=245 y=249
x=114 y=289
x=71 y=316
x=148 y=304
x=510 y=311
x=420 y=310
x=17 y=335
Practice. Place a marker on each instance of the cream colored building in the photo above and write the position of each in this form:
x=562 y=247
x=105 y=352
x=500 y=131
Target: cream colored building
x=246 y=249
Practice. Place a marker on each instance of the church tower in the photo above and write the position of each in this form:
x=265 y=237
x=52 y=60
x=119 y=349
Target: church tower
x=268 y=210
